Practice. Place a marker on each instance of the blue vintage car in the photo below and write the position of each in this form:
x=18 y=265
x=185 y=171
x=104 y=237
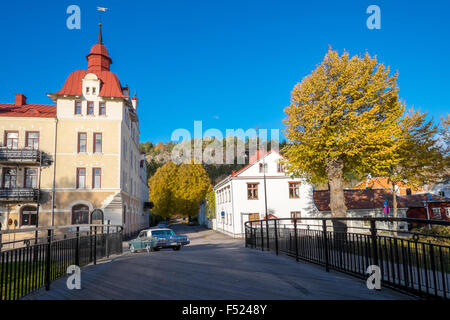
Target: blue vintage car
x=144 y=241
x=156 y=239
x=166 y=238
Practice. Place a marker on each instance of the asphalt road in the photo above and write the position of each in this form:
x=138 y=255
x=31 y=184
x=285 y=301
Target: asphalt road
x=212 y=267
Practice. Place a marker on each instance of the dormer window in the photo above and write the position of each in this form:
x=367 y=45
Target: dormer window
x=88 y=90
x=94 y=90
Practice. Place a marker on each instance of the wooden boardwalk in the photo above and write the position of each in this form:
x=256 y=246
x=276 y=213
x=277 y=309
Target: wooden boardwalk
x=212 y=267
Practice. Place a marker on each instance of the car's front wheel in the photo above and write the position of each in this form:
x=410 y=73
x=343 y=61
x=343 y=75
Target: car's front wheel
x=132 y=249
x=176 y=248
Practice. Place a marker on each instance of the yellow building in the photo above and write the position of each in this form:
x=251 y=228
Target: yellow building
x=82 y=153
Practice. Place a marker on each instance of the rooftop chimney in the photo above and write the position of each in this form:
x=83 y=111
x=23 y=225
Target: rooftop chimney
x=21 y=100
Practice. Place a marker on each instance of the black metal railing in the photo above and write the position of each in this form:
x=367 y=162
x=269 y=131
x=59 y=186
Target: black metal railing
x=19 y=155
x=414 y=258
x=46 y=256
x=19 y=194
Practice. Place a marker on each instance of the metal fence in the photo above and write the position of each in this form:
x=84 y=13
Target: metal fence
x=42 y=259
x=415 y=259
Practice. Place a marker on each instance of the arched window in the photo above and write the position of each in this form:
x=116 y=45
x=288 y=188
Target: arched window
x=28 y=216
x=80 y=214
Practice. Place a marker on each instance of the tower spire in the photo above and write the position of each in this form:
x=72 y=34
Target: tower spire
x=100 y=38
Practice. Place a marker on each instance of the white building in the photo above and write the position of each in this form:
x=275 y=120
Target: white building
x=241 y=197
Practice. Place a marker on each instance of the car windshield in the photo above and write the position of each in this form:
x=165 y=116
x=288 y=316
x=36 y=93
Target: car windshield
x=162 y=233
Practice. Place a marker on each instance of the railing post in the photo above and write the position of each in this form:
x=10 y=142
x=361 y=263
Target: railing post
x=0 y=239
x=48 y=260
x=325 y=244
x=107 y=239
x=296 y=240
x=95 y=245
x=246 y=237
x=373 y=232
x=267 y=232
x=276 y=237
x=262 y=236
x=90 y=244
x=77 y=248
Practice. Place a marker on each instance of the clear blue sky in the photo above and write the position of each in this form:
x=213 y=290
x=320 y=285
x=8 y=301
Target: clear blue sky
x=231 y=64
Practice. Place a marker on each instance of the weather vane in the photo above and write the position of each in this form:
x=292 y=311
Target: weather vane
x=101 y=9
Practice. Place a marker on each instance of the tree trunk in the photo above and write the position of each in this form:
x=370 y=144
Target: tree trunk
x=335 y=169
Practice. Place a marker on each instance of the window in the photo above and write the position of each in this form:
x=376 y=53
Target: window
x=90 y=108
x=12 y=139
x=32 y=140
x=97 y=142
x=102 y=109
x=261 y=167
x=437 y=213
x=447 y=212
x=9 y=178
x=280 y=167
x=81 y=178
x=96 y=178
x=94 y=90
x=294 y=190
x=88 y=90
x=30 y=178
x=252 y=191
x=28 y=216
x=77 y=107
x=80 y=214
x=253 y=217
x=82 y=142
x=296 y=214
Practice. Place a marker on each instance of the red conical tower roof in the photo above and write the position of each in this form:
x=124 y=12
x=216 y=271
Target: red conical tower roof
x=98 y=58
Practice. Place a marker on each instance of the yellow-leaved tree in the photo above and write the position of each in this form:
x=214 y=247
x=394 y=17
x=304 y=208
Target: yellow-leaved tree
x=161 y=186
x=178 y=189
x=192 y=185
x=344 y=118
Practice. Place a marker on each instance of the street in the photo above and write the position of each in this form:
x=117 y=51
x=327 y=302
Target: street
x=212 y=267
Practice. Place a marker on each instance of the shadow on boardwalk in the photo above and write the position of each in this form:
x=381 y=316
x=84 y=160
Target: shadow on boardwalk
x=213 y=267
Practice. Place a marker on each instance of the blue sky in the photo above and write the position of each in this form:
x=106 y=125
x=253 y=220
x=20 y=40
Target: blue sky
x=231 y=64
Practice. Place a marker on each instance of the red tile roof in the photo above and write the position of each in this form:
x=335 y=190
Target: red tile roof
x=372 y=199
x=27 y=110
x=109 y=84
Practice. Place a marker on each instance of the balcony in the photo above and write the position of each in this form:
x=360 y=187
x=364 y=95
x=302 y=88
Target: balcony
x=22 y=156
x=18 y=195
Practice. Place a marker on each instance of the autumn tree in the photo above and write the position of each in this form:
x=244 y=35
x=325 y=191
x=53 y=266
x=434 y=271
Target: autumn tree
x=161 y=189
x=178 y=189
x=192 y=184
x=344 y=118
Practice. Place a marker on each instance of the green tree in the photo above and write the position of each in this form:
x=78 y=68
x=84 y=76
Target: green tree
x=210 y=204
x=420 y=157
x=345 y=117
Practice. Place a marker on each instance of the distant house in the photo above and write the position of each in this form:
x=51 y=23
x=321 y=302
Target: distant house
x=241 y=197
x=370 y=203
x=441 y=189
x=383 y=183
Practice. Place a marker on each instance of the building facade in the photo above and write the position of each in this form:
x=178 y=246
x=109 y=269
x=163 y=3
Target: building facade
x=241 y=196
x=90 y=137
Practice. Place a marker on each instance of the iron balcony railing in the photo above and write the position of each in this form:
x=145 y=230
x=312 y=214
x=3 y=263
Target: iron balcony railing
x=18 y=195
x=47 y=256
x=25 y=156
x=415 y=260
